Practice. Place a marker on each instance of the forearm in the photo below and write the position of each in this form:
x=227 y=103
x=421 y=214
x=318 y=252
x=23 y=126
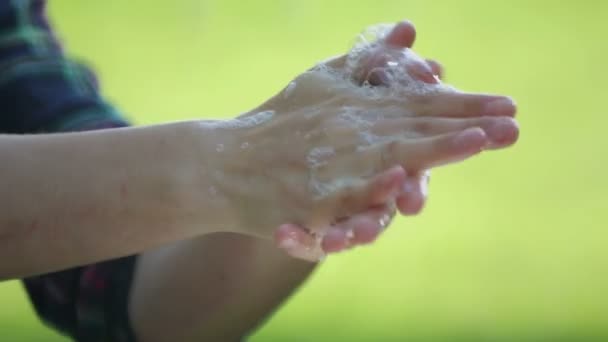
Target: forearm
x=215 y=287
x=76 y=198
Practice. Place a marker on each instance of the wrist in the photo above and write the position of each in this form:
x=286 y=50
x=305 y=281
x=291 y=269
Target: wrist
x=205 y=148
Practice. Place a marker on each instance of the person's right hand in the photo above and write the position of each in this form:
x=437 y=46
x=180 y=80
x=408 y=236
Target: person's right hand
x=310 y=117
x=364 y=227
x=312 y=162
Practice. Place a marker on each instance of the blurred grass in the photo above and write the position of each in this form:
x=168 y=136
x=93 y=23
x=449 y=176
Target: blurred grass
x=512 y=246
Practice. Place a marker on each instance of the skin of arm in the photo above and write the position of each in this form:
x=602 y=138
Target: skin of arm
x=218 y=287
x=103 y=194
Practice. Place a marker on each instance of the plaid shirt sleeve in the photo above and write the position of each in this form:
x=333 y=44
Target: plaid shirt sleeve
x=42 y=91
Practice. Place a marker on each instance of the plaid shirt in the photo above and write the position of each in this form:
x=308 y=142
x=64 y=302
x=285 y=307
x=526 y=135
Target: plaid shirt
x=42 y=91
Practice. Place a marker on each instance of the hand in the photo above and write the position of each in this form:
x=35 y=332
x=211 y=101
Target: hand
x=317 y=156
x=364 y=227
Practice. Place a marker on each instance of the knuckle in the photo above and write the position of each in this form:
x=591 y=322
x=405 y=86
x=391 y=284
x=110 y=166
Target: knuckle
x=422 y=126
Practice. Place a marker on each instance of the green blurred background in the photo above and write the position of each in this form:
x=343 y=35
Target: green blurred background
x=512 y=246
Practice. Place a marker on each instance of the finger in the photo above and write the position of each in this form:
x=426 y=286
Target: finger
x=421 y=71
x=414 y=193
x=362 y=228
x=354 y=198
x=358 y=230
x=402 y=35
x=369 y=68
x=375 y=70
x=428 y=71
x=298 y=243
x=436 y=68
x=337 y=238
x=463 y=105
x=372 y=70
x=428 y=152
x=501 y=131
x=369 y=225
x=378 y=77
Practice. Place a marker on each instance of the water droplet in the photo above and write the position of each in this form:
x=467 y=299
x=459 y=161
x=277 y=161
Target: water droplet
x=245 y=145
x=219 y=148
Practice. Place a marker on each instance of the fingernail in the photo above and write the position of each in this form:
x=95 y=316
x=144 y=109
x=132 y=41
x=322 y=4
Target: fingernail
x=503 y=132
x=422 y=72
x=500 y=107
x=288 y=243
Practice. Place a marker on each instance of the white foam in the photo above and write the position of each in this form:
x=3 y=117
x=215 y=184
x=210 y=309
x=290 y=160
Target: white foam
x=291 y=87
x=370 y=43
x=319 y=156
x=400 y=87
x=248 y=121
